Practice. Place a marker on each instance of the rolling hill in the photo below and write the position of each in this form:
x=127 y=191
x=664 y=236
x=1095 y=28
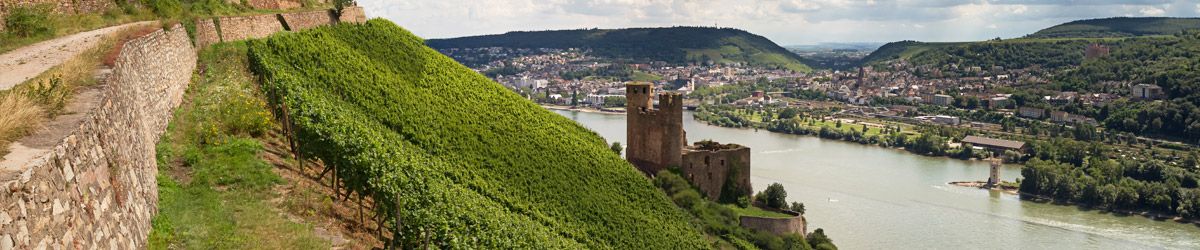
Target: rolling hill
x=452 y=159
x=1058 y=45
x=674 y=44
x=1119 y=27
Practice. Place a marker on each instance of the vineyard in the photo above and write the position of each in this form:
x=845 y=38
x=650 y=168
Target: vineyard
x=452 y=159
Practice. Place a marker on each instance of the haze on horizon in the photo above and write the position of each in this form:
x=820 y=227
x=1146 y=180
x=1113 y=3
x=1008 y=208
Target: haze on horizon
x=787 y=22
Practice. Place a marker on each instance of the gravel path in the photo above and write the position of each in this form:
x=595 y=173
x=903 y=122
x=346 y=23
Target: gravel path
x=20 y=65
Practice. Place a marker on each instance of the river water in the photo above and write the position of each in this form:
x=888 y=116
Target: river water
x=869 y=197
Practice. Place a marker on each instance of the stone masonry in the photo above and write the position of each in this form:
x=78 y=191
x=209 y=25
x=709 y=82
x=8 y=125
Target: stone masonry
x=206 y=33
x=709 y=169
x=655 y=135
x=306 y=20
x=248 y=27
x=96 y=187
x=657 y=141
x=229 y=29
x=778 y=226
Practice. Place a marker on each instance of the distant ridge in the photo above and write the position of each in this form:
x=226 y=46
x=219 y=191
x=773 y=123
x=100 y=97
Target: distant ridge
x=673 y=44
x=1119 y=27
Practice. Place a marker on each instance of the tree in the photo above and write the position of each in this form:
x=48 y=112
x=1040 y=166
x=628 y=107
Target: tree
x=776 y=196
x=798 y=207
x=616 y=148
x=818 y=240
x=788 y=113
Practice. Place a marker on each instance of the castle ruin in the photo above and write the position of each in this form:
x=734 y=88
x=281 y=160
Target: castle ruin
x=656 y=141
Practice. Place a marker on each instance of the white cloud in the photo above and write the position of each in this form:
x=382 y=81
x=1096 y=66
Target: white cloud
x=1152 y=11
x=992 y=26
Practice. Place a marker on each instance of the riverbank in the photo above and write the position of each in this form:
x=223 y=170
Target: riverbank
x=1117 y=212
x=610 y=111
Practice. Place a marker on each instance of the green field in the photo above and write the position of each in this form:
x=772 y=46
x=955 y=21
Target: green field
x=453 y=159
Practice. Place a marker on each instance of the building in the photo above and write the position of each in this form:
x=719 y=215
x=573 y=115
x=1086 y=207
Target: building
x=1031 y=112
x=1064 y=117
x=1146 y=91
x=657 y=141
x=997 y=146
x=943 y=100
x=1095 y=51
x=599 y=99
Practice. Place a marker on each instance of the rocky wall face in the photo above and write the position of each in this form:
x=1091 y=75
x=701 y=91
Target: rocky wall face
x=306 y=20
x=96 y=187
x=248 y=27
x=273 y=4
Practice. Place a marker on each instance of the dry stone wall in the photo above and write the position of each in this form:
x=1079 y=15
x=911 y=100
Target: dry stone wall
x=206 y=33
x=96 y=187
x=248 y=27
x=307 y=20
x=229 y=29
x=353 y=14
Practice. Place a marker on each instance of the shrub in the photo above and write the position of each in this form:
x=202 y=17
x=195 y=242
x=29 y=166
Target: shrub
x=29 y=21
x=165 y=8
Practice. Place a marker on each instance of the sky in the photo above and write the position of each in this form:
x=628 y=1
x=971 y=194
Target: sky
x=787 y=22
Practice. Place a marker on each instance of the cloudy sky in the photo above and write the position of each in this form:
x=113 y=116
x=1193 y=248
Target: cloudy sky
x=786 y=22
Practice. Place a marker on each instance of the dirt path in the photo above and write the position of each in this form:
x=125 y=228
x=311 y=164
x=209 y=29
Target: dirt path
x=22 y=64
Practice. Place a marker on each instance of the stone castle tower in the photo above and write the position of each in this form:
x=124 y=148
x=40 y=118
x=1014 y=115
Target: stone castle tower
x=655 y=135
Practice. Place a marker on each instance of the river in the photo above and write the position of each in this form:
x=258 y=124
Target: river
x=869 y=197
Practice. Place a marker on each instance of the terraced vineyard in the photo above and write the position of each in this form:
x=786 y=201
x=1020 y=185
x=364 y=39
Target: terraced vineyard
x=453 y=159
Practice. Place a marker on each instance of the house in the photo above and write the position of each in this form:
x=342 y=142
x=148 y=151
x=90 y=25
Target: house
x=997 y=146
x=1064 y=117
x=1031 y=112
x=943 y=100
x=1146 y=91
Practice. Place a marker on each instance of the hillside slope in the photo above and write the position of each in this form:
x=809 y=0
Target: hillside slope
x=1119 y=27
x=675 y=44
x=452 y=158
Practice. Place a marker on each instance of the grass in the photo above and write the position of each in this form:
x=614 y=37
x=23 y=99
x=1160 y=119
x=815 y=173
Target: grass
x=645 y=77
x=756 y=212
x=62 y=25
x=43 y=97
x=215 y=189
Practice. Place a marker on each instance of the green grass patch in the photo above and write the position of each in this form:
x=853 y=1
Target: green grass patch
x=214 y=188
x=756 y=212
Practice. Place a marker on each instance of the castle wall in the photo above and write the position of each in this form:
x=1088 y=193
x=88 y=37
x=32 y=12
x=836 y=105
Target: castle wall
x=307 y=20
x=654 y=136
x=94 y=186
x=708 y=170
x=60 y=6
x=778 y=226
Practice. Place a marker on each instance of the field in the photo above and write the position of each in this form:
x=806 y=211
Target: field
x=453 y=159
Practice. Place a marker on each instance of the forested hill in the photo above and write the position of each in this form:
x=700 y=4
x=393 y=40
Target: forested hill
x=452 y=159
x=1119 y=27
x=674 y=44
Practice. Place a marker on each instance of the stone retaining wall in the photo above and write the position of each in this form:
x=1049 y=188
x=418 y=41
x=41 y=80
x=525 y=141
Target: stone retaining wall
x=778 y=226
x=206 y=33
x=230 y=29
x=353 y=14
x=307 y=20
x=60 y=6
x=248 y=27
x=96 y=187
